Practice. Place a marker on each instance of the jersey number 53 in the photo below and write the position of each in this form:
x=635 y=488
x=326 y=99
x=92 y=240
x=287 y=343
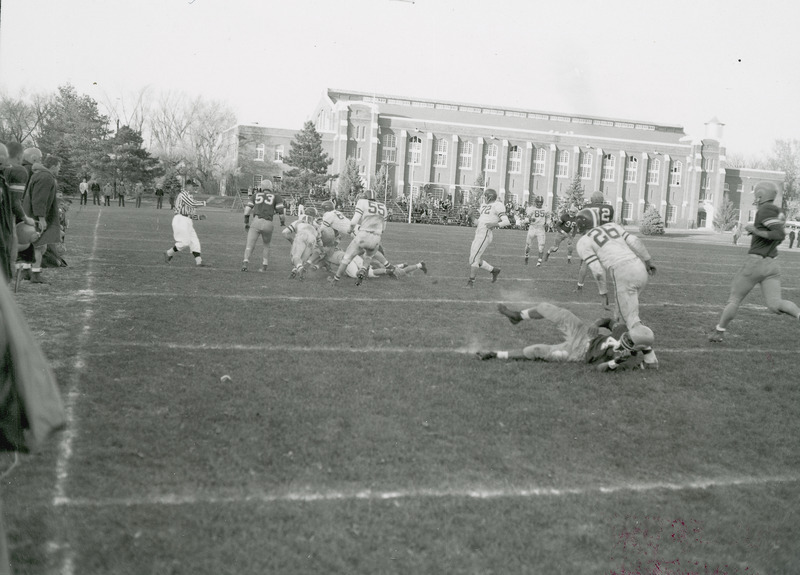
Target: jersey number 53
x=264 y=199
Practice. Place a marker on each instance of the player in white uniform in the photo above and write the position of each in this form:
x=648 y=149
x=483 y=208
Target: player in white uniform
x=492 y=215
x=370 y=217
x=303 y=234
x=334 y=226
x=608 y=247
x=536 y=216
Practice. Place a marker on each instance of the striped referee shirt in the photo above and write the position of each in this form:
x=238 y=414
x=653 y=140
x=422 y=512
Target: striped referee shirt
x=185 y=204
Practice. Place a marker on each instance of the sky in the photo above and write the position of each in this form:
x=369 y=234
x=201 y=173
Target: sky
x=679 y=62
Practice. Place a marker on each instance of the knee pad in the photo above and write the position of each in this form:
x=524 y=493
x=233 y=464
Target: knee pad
x=641 y=336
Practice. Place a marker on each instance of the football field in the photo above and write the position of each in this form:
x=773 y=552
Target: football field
x=359 y=433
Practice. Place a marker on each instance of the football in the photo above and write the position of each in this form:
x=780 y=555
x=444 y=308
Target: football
x=26 y=235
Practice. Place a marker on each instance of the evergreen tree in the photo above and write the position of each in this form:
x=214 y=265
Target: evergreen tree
x=726 y=217
x=383 y=187
x=127 y=160
x=349 y=184
x=73 y=129
x=652 y=222
x=574 y=196
x=308 y=161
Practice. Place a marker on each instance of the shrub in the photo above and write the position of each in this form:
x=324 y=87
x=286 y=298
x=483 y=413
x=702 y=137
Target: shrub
x=652 y=222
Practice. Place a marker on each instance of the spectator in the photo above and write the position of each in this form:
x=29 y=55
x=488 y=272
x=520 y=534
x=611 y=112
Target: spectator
x=138 y=193
x=83 y=188
x=12 y=178
x=95 y=188
x=122 y=191
x=737 y=231
x=159 y=197
x=108 y=191
x=301 y=209
x=41 y=203
x=172 y=195
x=791 y=239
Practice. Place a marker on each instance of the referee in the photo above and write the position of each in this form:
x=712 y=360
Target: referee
x=183 y=224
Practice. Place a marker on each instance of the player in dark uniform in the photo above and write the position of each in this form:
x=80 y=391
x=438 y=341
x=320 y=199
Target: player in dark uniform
x=603 y=344
x=263 y=204
x=605 y=213
x=565 y=227
x=761 y=266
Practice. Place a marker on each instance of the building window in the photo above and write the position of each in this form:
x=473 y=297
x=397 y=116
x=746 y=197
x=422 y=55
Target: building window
x=358 y=153
x=705 y=182
x=465 y=156
x=389 y=152
x=726 y=187
x=654 y=171
x=708 y=165
x=277 y=155
x=415 y=151
x=586 y=166
x=260 y=153
x=630 y=171
x=514 y=160
x=609 y=167
x=675 y=174
x=627 y=208
x=672 y=214
x=440 y=154
x=491 y=158
x=562 y=167
x=362 y=169
x=538 y=162
x=257 y=181
x=739 y=188
x=361 y=133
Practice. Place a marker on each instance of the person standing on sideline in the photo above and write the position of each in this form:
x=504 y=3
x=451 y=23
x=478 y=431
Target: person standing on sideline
x=41 y=203
x=761 y=265
x=791 y=239
x=83 y=188
x=183 y=225
x=492 y=215
x=159 y=197
x=95 y=188
x=108 y=190
x=737 y=231
x=122 y=190
x=13 y=178
x=262 y=205
x=138 y=192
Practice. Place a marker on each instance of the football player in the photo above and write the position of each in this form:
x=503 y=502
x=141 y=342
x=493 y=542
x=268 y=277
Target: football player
x=582 y=343
x=370 y=216
x=761 y=266
x=536 y=217
x=263 y=204
x=303 y=234
x=376 y=269
x=334 y=226
x=605 y=213
x=565 y=228
x=624 y=258
x=492 y=215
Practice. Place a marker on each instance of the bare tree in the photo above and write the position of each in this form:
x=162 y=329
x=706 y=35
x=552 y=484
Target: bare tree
x=131 y=109
x=21 y=117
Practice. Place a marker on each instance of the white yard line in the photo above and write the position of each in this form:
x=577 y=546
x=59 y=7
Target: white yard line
x=477 y=492
x=88 y=298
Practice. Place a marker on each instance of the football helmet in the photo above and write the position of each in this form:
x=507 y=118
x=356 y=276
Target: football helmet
x=572 y=210
x=587 y=219
x=597 y=198
x=490 y=196
x=765 y=192
x=311 y=212
x=538 y=201
x=26 y=235
x=327 y=206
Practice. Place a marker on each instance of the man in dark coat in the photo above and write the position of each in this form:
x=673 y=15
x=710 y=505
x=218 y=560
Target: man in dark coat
x=41 y=204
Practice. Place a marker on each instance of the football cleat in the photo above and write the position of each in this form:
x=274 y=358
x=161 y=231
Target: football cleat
x=470 y=283
x=293 y=274
x=569 y=260
x=333 y=280
x=263 y=268
x=484 y=355
x=495 y=272
x=423 y=267
x=650 y=364
x=244 y=266
x=302 y=274
x=579 y=287
x=513 y=316
x=360 y=276
x=547 y=255
x=167 y=257
x=539 y=262
x=717 y=336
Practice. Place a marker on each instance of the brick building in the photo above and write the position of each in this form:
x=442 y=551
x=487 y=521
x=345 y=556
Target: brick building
x=442 y=148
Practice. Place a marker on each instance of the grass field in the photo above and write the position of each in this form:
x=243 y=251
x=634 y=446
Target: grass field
x=359 y=435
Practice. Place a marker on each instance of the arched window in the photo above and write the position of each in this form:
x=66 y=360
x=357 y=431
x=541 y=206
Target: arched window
x=415 y=151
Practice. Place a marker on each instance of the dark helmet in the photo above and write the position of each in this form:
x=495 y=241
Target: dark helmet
x=538 y=201
x=490 y=195
x=587 y=219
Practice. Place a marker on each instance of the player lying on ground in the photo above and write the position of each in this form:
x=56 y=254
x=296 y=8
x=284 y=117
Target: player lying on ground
x=377 y=268
x=302 y=233
x=605 y=344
